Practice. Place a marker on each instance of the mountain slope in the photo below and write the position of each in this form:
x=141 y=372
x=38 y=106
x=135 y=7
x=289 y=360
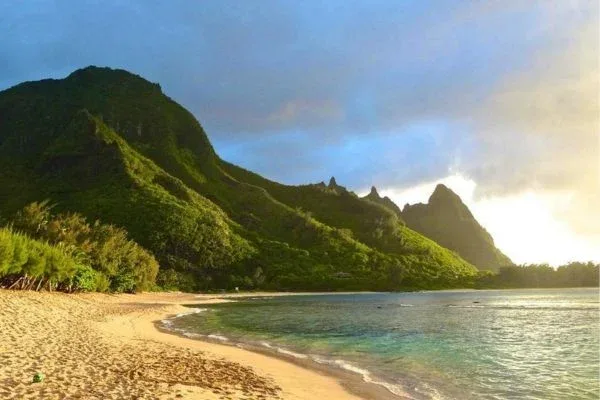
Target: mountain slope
x=111 y=145
x=448 y=221
x=88 y=168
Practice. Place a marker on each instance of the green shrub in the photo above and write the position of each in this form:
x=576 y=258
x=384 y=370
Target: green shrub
x=6 y=251
x=28 y=263
x=102 y=283
x=20 y=255
x=85 y=279
x=80 y=256
x=123 y=282
x=167 y=279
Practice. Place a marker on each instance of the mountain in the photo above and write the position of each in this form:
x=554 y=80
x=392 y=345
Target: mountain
x=448 y=221
x=111 y=145
x=384 y=201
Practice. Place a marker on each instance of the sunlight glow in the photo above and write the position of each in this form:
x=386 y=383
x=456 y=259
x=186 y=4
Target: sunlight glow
x=524 y=225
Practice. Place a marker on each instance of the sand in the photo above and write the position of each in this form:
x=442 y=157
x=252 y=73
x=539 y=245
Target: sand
x=94 y=346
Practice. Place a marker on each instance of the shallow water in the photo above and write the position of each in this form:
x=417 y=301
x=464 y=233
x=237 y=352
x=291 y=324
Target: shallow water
x=510 y=344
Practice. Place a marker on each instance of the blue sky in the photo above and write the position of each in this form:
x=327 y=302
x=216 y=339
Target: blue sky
x=385 y=93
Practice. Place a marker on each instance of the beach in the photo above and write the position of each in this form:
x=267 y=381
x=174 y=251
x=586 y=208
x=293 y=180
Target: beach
x=97 y=346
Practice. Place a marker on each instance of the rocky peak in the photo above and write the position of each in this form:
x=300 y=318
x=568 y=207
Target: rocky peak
x=442 y=192
x=444 y=198
x=385 y=201
x=448 y=221
x=374 y=192
x=332 y=183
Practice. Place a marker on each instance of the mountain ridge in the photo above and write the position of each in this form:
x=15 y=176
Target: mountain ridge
x=385 y=201
x=111 y=145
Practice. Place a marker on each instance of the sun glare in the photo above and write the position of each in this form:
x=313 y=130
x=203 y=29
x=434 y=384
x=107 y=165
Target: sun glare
x=524 y=225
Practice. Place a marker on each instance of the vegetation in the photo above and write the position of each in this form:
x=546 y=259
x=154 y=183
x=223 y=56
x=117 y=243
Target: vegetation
x=108 y=144
x=574 y=274
x=65 y=252
x=30 y=264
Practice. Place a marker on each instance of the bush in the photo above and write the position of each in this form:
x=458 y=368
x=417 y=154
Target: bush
x=85 y=279
x=27 y=263
x=72 y=255
x=123 y=282
x=6 y=251
x=102 y=283
x=167 y=279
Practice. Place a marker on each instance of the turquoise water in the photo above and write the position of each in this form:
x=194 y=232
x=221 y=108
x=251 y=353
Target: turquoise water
x=511 y=344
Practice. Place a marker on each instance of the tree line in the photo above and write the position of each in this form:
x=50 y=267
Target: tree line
x=574 y=274
x=40 y=250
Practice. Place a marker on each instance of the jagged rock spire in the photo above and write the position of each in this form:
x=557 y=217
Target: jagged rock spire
x=332 y=182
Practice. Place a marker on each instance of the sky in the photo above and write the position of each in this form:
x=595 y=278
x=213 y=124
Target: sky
x=498 y=99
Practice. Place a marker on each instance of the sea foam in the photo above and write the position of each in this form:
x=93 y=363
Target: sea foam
x=364 y=373
x=218 y=337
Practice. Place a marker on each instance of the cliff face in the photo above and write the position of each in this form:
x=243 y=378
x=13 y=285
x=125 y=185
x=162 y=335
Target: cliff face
x=448 y=221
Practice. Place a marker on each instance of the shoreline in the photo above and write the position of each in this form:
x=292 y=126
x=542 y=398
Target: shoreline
x=298 y=379
x=99 y=346
x=352 y=381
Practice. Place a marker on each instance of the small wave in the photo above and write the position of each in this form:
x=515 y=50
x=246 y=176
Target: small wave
x=291 y=353
x=406 y=305
x=219 y=337
x=430 y=391
x=192 y=335
x=168 y=323
x=283 y=351
x=349 y=367
x=192 y=311
x=365 y=374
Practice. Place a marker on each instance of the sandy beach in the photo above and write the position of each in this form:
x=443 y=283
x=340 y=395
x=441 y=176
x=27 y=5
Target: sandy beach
x=95 y=346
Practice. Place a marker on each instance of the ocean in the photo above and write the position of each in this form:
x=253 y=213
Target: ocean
x=489 y=344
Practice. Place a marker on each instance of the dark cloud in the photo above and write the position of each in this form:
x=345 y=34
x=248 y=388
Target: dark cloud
x=381 y=92
x=241 y=65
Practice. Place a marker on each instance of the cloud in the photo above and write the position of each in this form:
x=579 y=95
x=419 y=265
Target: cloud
x=379 y=64
x=539 y=128
x=524 y=225
x=358 y=161
x=378 y=92
x=317 y=112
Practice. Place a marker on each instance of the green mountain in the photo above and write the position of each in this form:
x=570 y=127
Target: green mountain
x=448 y=221
x=110 y=145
